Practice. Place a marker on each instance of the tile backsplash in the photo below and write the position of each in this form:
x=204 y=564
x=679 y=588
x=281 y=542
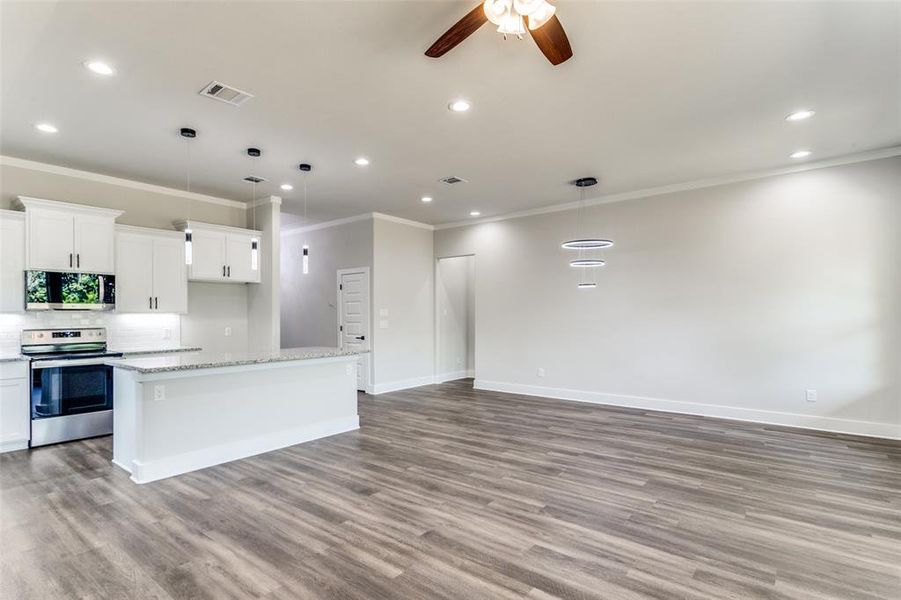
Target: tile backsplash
x=124 y=332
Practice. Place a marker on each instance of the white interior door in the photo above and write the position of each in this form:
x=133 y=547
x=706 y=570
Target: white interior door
x=353 y=319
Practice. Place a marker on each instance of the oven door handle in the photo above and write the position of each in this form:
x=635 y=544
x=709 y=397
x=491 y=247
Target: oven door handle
x=75 y=362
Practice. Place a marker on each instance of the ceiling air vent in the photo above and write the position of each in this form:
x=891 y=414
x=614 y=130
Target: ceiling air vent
x=254 y=179
x=452 y=180
x=225 y=93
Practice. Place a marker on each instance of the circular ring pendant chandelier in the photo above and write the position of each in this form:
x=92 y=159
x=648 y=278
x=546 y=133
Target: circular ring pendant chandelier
x=584 y=243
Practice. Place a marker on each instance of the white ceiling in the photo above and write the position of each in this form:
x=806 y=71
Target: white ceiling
x=657 y=93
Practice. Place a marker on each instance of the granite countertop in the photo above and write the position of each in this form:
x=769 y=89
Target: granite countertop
x=140 y=351
x=210 y=360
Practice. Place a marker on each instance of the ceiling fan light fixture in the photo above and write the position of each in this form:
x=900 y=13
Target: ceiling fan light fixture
x=495 y=9
x=541 y=15
x=512 y=24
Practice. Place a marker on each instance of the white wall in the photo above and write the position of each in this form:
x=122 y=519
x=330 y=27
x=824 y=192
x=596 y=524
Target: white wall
x=263 y=310
x=455 y=318
x=728 y=301
x=309 y=314
x=403 y=297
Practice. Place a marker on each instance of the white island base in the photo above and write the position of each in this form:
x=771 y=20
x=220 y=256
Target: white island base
x=171 y=422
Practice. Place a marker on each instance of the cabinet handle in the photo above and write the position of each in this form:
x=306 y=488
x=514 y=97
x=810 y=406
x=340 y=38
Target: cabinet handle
x=229 y=270
x=78 y=260
x=156 y=302
x=70 y=260
x=223 y=270
x=151 y=303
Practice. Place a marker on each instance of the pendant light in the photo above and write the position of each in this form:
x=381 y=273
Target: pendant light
x=254 y=242
x=305 y=266
x=189 y=134
x=586 y=264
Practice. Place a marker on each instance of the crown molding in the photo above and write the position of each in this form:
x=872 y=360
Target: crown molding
x=384 y=217
x=276 y=200
x=27 y=202
x=687 y=186
x=21 y=163
x=326 y=224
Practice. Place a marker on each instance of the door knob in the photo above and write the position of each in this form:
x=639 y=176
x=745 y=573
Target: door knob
x=360 y=337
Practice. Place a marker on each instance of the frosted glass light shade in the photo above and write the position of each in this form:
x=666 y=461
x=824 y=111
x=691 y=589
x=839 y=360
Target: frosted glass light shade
x=587 y=244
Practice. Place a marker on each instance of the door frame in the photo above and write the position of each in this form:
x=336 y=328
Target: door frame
x=339 y=306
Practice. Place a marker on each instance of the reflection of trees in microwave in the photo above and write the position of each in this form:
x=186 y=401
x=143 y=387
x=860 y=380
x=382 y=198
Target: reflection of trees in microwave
x=37 y=286
x=79 y=288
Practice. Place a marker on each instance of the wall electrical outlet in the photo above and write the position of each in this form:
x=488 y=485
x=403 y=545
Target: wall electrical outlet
x=159 y=392
x=811 y=395
x=383 y=324
x=167 y=333
x=228 y=331
x=541 y=372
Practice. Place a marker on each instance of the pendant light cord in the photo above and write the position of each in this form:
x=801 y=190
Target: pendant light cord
x=188 y=174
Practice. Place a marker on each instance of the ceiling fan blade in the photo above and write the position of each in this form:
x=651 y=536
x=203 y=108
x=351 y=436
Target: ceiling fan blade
x=461 y=30
x=552 y=41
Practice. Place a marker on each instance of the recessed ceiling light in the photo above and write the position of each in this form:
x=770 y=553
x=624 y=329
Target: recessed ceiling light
x=46 y=128
x=426 y=198
x=287 y=187
x=800 y=115
x=362 y=161
x=99 y=67
x=459 y=105
x=474 y=213
x=801 y=154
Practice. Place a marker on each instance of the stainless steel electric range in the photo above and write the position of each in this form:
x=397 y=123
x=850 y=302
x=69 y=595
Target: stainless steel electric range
x=71 y=388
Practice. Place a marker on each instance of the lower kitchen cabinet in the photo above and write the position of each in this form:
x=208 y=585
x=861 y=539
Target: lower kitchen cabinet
x=15 y=409
x=151 y=275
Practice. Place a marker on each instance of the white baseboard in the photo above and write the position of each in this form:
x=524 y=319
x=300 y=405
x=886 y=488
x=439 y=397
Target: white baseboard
x=145 y=472
x=451 y=376
x=11 y=445
x=820 y=423
x=402 y=384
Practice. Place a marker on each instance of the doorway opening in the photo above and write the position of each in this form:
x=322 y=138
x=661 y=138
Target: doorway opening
x=354 y=331
x=455 y=347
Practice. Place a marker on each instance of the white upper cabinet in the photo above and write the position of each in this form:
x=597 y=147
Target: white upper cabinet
x=12 y=261
x=69 y=237
x=224 y=254
x=150 y=271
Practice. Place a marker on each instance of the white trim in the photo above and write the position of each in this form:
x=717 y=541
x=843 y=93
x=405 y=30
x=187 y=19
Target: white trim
x=13 y=445
x=264 y=201
x=816 y=422
x=21 y=163
x=452 y=376
x=17 y=215
x=368 y=361
x=40 y=203
x=197 y=226
x=326 y=224
x=145 y=472
x=384 y=217
x=149 y=231
x=403 y=384
x=683 y=187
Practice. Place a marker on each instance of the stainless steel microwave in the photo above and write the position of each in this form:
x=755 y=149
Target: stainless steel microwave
x=49 y=290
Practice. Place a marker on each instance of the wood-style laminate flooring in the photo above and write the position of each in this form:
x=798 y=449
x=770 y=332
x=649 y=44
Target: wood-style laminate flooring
x=447 y=492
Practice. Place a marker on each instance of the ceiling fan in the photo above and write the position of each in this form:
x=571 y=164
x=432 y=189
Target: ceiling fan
x=511 y=16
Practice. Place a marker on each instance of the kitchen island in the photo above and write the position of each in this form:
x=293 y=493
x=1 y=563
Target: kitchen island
x=181 y=412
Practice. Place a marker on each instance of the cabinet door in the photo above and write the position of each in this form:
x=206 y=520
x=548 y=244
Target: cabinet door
x=208 y=256
x=95 y=244
x=12 y=265
x=170 y=277
x=240 y=258
x=134 y=268
x=15 y=414
x=51 y=241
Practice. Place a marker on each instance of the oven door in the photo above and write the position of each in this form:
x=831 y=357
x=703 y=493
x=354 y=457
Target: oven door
x=70 y=387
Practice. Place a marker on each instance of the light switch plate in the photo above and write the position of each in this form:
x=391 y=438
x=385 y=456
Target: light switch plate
x=159 y=392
